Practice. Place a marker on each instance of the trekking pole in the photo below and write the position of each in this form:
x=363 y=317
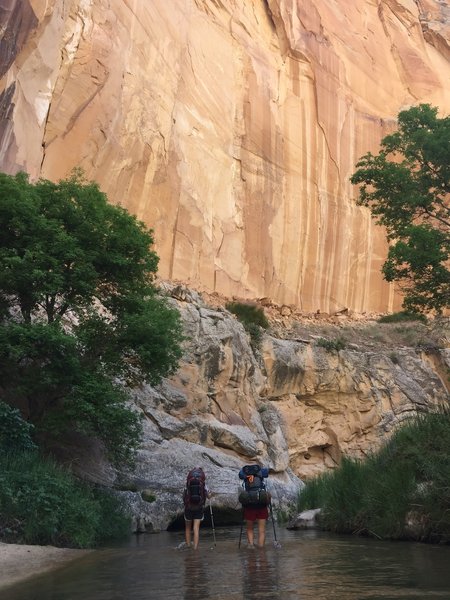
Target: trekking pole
x=212 y=522
x=276 y=542
x=242 y=525
x=240 y=534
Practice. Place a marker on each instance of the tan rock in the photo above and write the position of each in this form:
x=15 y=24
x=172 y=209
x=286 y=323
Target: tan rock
x=230 y=128
x=345 y=403
x=293 y=406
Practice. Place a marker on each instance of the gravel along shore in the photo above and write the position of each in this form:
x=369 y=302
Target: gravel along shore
x=19 y=562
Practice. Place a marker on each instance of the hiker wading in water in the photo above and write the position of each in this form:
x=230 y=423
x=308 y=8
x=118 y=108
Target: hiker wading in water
x=194 y=498
x=254 y=499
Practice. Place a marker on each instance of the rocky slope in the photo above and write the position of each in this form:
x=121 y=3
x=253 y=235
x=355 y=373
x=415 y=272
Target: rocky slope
x=292 y=404
x=229 y=127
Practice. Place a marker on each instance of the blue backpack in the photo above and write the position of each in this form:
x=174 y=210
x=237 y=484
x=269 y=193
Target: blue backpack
x=254 y=491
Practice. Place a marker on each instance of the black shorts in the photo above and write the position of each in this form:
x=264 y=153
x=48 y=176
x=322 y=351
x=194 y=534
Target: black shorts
x=190 y=515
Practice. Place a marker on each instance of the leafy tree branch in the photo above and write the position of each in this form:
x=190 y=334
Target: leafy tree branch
x=407 y=188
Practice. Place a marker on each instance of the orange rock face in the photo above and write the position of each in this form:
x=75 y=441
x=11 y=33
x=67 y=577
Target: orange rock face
x=231 y=128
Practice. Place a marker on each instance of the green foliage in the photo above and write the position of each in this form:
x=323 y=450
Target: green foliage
x=407 y=187
x=248 y=313
x=402 y=316
x=15 y=433
x=408 y=479
x=331 y=345
x=42 y=503
x=252 y=318
x=79 y=310
x=255 y=332
x=148 y=496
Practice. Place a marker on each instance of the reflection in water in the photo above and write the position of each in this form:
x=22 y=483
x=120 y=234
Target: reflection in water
x=309 y=565
x=195 y=577
x=259 y=574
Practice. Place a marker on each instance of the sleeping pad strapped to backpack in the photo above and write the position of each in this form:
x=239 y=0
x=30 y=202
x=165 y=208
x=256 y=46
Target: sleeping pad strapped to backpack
x=254 y=492
x=195 y=493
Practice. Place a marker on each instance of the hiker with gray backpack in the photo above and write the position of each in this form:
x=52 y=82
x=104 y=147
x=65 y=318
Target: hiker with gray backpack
x=255 y=500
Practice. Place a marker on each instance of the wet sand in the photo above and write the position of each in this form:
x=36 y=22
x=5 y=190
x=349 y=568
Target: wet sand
x=19 y=562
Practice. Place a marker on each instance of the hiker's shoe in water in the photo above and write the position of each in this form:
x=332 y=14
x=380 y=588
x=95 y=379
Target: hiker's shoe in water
x=183 y=546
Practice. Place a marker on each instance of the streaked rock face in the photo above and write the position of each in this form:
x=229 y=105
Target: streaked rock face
x=229 y=127
x=292 y=406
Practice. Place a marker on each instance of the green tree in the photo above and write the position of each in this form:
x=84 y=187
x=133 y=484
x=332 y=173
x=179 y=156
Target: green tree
x=407 y=188
x=79 y=311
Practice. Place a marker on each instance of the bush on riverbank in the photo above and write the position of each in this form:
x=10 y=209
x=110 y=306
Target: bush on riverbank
x=400 y=492
x=43 y=503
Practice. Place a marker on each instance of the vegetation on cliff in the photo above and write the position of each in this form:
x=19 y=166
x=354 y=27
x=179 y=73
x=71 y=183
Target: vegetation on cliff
x=400 y=492
x=407 y=188
x=79 y=311
x=252 y=318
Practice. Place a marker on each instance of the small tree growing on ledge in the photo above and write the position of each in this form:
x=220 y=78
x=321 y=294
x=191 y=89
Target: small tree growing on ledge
x=79 y=311
x=407 y=188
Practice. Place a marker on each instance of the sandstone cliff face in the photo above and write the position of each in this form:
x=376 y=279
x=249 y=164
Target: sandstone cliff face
x=292 y=405
x=229 y=127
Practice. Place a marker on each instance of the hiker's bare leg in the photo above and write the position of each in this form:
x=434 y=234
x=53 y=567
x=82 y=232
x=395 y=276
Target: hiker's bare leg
x=196 y=532
x=250 y=532
x=187 y=531
x=261 y=532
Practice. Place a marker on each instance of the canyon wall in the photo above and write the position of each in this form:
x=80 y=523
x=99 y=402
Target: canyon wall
x=230 y=127
x=288 y=403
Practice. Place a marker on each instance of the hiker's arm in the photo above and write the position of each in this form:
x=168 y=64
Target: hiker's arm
x=265 y=471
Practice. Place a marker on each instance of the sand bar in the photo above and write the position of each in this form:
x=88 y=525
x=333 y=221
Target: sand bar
x=19 y=562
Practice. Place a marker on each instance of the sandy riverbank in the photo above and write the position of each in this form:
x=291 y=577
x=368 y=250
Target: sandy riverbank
x=19 y=562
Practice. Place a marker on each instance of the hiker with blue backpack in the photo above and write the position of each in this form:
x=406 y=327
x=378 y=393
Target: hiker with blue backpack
x=194 y=497
x=255 y=500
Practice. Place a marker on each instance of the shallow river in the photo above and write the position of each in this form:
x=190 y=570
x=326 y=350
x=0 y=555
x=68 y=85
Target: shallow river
x=308 y=565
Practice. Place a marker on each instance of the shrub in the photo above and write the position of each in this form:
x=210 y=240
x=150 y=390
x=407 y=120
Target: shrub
x=248 y=314
x=410 y=475
x=252 y=318
x=148 y=496
x=15 y=433
x=255 y=333
x=402 y=316
x=42 y=503
x=331 y=345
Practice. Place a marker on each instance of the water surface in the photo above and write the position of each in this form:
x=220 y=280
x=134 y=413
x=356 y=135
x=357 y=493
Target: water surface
x=308 y=565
